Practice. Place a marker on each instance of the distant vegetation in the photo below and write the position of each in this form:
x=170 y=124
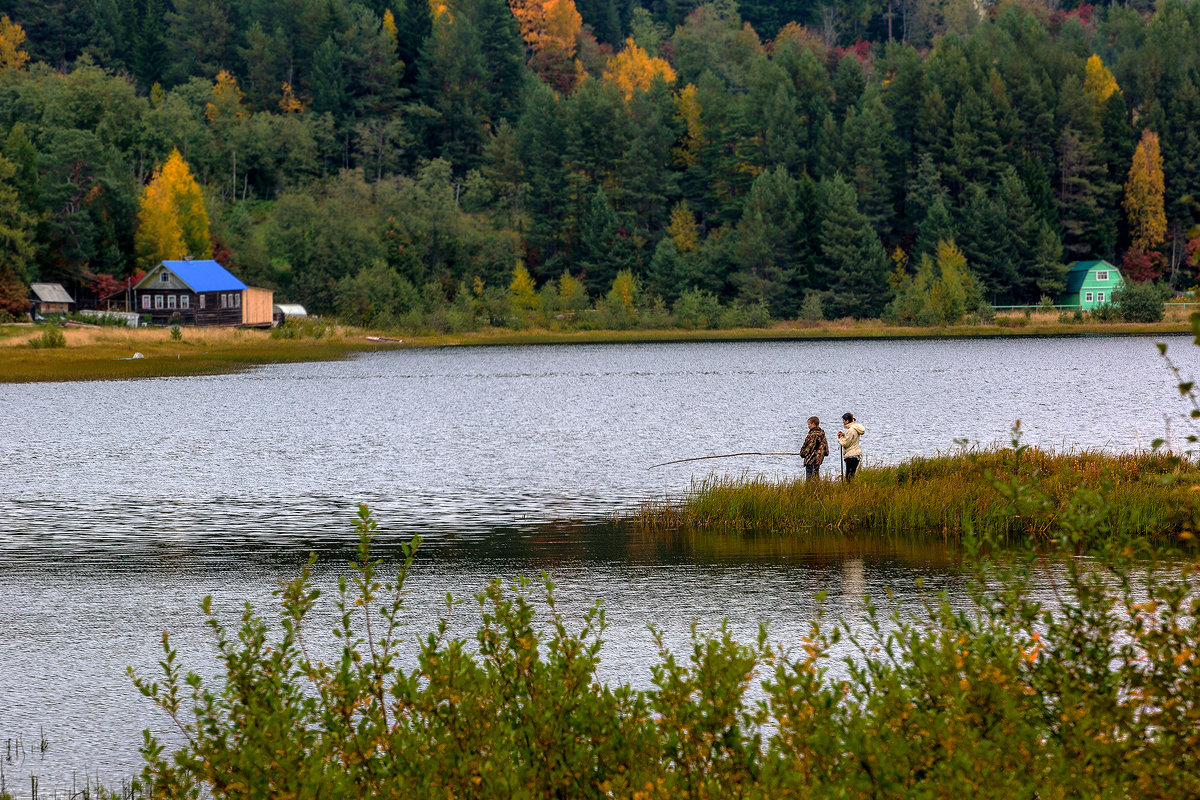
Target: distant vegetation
x=394 y=160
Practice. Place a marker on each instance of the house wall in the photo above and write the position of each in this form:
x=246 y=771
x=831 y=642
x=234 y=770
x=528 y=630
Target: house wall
x=1100 y=291
x=202 y=309
x=52 y=308
x=257 y=305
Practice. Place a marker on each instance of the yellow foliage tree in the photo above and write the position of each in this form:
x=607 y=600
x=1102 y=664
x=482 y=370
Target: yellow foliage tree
x=572 y=294
x=682 y=228
x=634 y=68
x=687 y=110
x=1144 y=205
x=227 y=101
x=389 y=26
x=289 y=103
x=521 y=291
x=624 y=290
x=172 y=220
x=12 y=36
x=1098 y=83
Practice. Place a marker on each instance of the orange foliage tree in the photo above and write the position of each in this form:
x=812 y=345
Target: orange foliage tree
x=550 y=29
x=634 y=68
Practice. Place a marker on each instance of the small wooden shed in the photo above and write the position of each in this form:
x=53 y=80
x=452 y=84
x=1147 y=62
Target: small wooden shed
x=50 y=298
x=1090 y=284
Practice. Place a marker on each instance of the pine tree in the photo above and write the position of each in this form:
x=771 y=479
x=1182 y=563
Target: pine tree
x=855 y=267
x=764 y=243
x=599 y=248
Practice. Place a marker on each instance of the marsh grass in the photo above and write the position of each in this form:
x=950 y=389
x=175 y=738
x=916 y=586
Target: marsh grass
x=107 y=353
x=1150 y=494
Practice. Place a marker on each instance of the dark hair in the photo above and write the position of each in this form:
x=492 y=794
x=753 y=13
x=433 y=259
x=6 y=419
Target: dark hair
x=814 y=421
x=848 y=417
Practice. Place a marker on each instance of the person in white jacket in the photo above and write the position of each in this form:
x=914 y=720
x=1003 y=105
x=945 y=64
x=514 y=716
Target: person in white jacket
x=848 y=439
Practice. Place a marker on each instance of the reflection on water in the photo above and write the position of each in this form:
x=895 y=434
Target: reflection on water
x=72 y=619
x=125 y=503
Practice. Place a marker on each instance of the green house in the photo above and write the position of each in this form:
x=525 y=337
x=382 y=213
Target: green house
x=1090 y=284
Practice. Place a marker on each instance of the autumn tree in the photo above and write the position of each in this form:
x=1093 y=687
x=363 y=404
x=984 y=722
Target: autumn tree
x=172 y=220
x=12 y=37
x=550 y=29
x=1144 y=195
x=633 y=68
x=1098 y=83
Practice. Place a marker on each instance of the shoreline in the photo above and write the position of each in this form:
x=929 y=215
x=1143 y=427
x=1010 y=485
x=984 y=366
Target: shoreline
x=107 y=353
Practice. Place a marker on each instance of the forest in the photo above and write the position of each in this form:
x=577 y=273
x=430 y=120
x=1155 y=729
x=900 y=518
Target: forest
x=380 y=159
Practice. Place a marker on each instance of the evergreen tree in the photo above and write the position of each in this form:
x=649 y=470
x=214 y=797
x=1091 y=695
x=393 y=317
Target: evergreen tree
x=765 y=244
x=855 y=265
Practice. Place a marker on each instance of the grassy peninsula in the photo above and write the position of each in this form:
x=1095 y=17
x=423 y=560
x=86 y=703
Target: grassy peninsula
x=1147 y=494
x=107 y=353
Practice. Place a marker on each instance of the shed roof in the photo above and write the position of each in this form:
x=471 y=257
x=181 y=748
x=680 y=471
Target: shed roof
x=201 y=276
x=1077 y=272
x=50 y=293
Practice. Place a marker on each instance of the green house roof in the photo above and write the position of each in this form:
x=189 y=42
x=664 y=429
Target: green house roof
x=1078 y=272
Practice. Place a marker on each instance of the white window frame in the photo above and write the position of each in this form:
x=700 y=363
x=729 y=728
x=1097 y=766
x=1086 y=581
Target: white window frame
x=202 y=300
x=1102 y=276
x=237 y=299
x=171 y=301
x=185 y=301
x=158 y=303
x=1087 y=297
x=146 y=302
x=1099 y=297
x=163 y=277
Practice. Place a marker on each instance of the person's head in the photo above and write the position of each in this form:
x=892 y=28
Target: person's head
x=847 y=418
x=813 y=422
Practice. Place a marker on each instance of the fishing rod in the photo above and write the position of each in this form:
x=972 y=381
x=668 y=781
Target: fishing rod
x=724 y=455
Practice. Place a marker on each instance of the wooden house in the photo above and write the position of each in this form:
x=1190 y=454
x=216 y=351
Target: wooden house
x=200 y=293
x=1090 y=284
x=50 y=298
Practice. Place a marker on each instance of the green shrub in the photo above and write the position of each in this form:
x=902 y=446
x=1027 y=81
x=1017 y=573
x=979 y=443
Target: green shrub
x=304 y=328
x=811 y=309
x=696 y=308
x=1141 y=302
x=50 y=337
x=1013 y=692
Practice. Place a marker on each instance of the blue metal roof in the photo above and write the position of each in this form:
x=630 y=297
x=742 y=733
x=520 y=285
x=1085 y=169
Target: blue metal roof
x=205 y=276
x=1078 y=272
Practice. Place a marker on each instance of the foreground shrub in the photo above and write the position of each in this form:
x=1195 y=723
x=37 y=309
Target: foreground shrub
x=1090 y=694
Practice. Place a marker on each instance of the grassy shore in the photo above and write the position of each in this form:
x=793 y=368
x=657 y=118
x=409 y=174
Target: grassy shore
x=107 y=353
x=1149 y=494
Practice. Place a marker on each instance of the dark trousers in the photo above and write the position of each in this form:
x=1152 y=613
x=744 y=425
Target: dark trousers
x=851 y=466
x=812 y=471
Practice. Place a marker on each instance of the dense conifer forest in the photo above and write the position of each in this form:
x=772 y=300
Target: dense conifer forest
x=384 y=158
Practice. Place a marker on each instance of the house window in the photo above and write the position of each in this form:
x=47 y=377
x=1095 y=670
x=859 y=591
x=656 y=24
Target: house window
x=224 y=300
x=1087 y=297
x=184 y=301
x=1102 y=276
x=237 y=300
x=158 y=301
x=1099 y=297
x=163 y=277
x=146 y=301
x=202 y=300
x=170 y=301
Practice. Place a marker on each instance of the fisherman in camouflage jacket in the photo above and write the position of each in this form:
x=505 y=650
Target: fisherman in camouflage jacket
x=815 y=448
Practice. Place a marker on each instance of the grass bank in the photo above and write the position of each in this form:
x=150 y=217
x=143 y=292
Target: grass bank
x=1147 y=494
x=107 y=353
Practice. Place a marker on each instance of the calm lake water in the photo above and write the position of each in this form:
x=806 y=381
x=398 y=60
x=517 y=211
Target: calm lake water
x=124 y=503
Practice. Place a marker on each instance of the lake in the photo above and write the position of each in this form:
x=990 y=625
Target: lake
x=124 y=503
